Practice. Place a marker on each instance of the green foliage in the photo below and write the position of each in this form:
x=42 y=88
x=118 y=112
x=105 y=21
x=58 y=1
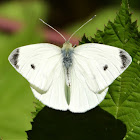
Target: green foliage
x=97 y=23
x=103 y=15
x=16 y=98
x=23 y=11
x=123 y=98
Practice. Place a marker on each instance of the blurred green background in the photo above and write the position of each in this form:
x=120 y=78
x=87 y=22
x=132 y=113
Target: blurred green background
x=19 y=26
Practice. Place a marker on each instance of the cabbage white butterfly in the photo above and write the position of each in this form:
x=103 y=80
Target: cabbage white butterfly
x=74 y=79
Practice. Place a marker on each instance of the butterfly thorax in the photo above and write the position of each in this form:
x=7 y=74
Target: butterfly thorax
x=67 y=52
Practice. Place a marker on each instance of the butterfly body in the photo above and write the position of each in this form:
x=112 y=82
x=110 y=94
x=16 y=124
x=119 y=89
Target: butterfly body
x=67 y=54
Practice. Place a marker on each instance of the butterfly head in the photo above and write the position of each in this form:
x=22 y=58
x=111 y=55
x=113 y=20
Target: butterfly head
x=67 y=46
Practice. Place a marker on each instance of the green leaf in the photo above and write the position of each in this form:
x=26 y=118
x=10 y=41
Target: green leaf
x=38 y=106
x=84 y=39
x=123 y=98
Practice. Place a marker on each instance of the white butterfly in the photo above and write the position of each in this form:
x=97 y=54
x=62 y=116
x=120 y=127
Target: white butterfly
x=69 y=78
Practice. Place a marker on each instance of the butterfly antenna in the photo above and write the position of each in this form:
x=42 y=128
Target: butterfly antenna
x=53 y=29
x=81 y=27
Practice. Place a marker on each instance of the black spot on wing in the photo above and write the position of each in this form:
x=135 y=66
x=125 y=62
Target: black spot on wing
x=124 y=59
x=32 y=66
x=14 y=58
x=105 y=67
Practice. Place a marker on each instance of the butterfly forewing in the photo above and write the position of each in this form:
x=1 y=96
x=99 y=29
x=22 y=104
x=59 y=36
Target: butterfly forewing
x=102 y=62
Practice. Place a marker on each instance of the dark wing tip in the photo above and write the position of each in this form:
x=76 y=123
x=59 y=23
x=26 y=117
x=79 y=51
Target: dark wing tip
x=125 y=58
x=13 y=58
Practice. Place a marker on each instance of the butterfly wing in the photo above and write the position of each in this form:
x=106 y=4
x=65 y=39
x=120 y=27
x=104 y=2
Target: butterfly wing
x=41 y=65
x=95 y=67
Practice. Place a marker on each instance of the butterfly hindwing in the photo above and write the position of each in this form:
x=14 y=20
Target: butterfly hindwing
x=82 y=97
x=41 y=65
x=55 y=95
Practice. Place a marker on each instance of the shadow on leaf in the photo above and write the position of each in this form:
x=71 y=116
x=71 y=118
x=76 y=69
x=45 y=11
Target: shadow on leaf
x=95 y=124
